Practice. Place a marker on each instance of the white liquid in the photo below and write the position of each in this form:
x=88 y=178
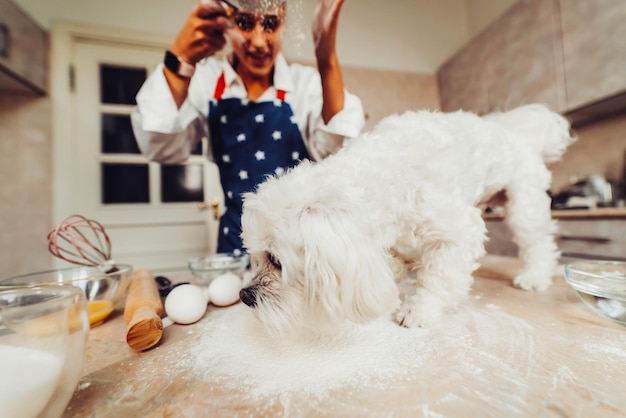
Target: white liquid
x=27 y=380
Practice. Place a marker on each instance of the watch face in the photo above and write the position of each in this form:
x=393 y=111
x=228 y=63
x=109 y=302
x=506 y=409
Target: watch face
x=171 y=62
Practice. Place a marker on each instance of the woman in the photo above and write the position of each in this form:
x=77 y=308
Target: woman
x=260 y=114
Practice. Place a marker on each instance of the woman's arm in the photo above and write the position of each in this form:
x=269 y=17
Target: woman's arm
x=325 y=22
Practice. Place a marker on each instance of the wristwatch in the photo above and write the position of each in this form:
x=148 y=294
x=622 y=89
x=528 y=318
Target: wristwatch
x=177 y=65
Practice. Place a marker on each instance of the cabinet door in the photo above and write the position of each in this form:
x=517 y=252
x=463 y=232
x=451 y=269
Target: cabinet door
x=593 y=49
x=599 y=239
x=517 y=60
x=462 y=79
x=526 y=62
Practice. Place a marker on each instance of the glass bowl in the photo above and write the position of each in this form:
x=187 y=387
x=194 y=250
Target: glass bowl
x=43 y=339
x=601 y=285
x=105 y=290
x=207 y=268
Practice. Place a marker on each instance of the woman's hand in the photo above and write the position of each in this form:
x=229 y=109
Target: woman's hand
x=202 y=35
x=325 y=22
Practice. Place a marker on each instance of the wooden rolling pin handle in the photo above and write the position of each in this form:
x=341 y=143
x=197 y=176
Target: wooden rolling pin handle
x=143 y=312
x=145 y=329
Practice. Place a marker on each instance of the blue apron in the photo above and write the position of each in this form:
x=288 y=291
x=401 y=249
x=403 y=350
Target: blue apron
x=250 y=140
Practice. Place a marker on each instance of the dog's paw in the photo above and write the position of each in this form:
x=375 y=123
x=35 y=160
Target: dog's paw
x=530 y=281
x=420 y=310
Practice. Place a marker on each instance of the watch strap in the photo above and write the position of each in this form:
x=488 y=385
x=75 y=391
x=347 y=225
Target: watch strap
x=177 y=65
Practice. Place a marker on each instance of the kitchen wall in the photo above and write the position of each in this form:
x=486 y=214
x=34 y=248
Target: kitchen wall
x=404 y=35
x=25 y=190
x=600 y=149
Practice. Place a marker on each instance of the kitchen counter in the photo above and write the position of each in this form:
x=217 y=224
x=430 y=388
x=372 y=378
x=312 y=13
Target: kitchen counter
x=506 y=352
x=597 y=213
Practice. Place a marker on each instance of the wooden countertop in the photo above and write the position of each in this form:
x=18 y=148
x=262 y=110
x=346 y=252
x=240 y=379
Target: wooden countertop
x=505 y=353
x=598 y=213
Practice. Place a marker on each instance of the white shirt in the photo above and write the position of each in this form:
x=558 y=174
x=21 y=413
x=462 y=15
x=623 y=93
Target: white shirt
x=167 y=134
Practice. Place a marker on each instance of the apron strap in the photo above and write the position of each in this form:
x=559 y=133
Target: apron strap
x=220 y=86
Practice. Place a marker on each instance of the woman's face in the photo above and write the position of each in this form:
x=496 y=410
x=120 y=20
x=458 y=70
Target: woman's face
x=256 y=40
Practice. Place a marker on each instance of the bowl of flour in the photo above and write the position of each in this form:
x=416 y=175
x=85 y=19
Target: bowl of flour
x=43 y=336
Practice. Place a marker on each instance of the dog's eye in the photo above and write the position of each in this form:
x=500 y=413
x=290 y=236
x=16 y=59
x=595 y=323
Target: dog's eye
x=273 y=261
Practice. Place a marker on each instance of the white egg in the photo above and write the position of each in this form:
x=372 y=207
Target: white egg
x=224 y=289
x=186 y=304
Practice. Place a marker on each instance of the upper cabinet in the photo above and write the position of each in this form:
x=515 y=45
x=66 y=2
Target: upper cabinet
x=462 y=80
x=525 y=64
x=568 y=54
x=594 y=49
x=23 y=51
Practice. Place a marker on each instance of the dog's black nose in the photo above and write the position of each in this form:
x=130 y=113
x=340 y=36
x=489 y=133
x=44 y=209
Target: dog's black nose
x=248 y=297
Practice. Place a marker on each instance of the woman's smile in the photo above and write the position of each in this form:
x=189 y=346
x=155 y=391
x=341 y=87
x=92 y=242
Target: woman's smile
x=259 y=59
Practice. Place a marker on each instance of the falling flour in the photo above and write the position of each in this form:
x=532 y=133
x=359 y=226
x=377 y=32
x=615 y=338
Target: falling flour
x=294 y=32
x=28 y=379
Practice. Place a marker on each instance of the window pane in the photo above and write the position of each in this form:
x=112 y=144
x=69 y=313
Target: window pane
x=119 y=85
x=117 y=135
x=182 y=183
x=125 y=183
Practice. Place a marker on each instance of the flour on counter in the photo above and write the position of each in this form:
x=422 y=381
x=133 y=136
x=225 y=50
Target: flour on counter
x=481 y=358
x=235 y=351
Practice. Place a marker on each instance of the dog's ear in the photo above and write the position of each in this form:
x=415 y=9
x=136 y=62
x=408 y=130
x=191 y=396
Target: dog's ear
x=346 y=272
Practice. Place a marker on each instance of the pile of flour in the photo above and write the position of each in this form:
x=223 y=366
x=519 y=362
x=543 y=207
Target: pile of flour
x=235 y=350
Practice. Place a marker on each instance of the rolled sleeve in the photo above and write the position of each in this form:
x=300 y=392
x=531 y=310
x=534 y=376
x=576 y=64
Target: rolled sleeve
x=349 y=121
x=328 y=138
x=306 y=98
x=156 y=105
x=164 y=132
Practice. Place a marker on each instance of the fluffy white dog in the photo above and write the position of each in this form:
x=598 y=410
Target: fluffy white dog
x=329 y=240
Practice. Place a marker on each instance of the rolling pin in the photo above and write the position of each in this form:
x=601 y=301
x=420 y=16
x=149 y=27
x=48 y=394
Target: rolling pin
x=143 y=312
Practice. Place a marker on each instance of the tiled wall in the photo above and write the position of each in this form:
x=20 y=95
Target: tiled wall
x=387 y=92
x=25 y=187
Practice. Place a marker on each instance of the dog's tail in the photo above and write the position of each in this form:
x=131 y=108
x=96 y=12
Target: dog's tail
x=548 y=132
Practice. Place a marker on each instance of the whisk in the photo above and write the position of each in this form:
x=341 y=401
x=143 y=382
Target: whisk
x=81 y=241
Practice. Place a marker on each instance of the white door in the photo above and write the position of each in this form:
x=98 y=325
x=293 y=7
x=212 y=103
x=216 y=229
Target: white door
x=155 y=215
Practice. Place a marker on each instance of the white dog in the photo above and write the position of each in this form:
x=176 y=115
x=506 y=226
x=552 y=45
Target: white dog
x=329 y=240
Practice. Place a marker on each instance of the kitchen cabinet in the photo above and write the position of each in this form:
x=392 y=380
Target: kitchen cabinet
x=516 y=60
x=23 y=51
x=597 y=239
x=586 y=238
x=462 y=82
x=567 y=54
x=593 y=50
x=525 y=63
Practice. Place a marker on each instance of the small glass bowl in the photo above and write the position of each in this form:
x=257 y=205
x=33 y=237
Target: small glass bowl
x=207 y=268
x=601 y=285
